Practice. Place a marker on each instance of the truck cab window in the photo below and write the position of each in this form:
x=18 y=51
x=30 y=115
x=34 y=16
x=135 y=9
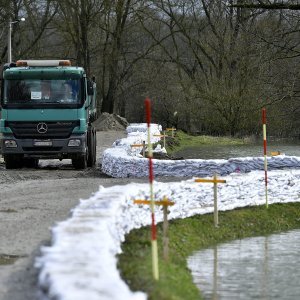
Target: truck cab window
x=16 y=91
x=42 y=92
x=46 y=90
x=70 y=91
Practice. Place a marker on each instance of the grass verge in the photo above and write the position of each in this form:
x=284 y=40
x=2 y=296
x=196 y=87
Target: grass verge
x=183 y=140
x=193 y=234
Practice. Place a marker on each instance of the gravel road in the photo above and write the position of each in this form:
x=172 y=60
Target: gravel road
x=31 y=202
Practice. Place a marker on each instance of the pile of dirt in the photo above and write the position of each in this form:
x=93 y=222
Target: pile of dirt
x=108 y=121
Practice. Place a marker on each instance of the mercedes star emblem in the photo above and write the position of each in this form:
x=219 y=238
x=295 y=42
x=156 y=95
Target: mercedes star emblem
x=42 y=128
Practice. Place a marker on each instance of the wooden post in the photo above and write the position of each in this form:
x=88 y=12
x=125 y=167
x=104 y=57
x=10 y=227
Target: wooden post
x=165 y=233
x=172 y=132
x=162 y=136
x=171 y=129
x=165 y=202
x=216 y=217
x=215 y=181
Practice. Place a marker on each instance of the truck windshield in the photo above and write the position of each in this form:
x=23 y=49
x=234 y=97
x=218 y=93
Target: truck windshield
x=36 y=92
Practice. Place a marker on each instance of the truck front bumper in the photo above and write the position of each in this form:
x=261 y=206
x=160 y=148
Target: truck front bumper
x=71 y=147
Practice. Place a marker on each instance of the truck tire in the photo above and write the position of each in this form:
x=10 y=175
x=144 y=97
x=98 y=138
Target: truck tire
x=91 y=148
x=80 y=163
x=31 y=162
x=13 y=161
x=95 y=146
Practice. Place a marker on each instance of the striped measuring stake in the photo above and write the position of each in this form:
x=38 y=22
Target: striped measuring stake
x=264 y=121
x=165 y=203
x=152 y=202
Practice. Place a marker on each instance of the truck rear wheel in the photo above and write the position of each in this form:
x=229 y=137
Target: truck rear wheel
x=91 y=147
x=13 y=161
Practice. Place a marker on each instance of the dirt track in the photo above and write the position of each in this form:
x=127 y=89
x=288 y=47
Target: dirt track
x=31 y=202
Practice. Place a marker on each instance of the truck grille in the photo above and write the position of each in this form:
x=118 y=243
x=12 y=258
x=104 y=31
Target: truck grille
x=42 y=149
x=51 y=130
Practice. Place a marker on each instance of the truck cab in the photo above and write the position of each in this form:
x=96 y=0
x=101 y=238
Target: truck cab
x=47 y=110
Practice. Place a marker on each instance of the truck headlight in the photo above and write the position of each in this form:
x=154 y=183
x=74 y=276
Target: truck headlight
x=74 y=143
x=10 y=144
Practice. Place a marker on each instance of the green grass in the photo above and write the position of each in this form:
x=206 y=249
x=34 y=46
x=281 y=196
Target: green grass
x=183 y=140
x=193 y=234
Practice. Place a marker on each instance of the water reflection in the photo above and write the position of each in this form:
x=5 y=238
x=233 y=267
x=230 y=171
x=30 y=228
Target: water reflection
x=229 y=151
x=253 y=268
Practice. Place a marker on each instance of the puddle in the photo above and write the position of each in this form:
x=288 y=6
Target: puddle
x=8 y=210
x=253 y=268
x=6 y=259
x=30 y=207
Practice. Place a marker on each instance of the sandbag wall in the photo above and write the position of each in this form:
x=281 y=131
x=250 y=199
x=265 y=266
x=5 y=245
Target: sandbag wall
x=122 y=160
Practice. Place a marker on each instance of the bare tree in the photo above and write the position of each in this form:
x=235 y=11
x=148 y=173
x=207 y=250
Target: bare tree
x=76 y=22
x=116 y=15
x=267 y=5
x=26 y=37
x=223 y=61
x=215 y=63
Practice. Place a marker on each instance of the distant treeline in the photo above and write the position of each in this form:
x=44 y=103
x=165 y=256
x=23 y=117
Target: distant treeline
x=209 y=66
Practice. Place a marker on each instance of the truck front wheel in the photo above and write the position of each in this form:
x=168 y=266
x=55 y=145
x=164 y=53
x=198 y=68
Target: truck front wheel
x=30 y=162
x=13 y=161
x=80 y=162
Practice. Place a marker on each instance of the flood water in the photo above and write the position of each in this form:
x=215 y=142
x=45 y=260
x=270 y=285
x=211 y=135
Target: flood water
x=253 y=268
x=291 y=147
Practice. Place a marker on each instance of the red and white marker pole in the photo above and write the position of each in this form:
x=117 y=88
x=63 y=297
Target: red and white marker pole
x=152 y=205
x=264 y=121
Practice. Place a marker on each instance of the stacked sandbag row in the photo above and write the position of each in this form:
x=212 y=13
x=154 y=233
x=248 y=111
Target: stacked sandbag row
x=125 y=161
x=142 y=127
x=247 y=164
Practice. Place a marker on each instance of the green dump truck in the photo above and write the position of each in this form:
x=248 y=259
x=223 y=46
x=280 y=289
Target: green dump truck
x=47 y=110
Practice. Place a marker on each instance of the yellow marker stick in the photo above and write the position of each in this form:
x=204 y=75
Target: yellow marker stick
x=210 y=180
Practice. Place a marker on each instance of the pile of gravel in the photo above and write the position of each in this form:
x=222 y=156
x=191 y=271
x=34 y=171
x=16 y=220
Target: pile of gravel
x=108 y=121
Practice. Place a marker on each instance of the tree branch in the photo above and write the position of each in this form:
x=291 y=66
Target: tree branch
x=262 y=5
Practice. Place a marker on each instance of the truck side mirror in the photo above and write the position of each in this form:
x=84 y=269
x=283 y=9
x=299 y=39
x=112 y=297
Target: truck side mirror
x=90 y=88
